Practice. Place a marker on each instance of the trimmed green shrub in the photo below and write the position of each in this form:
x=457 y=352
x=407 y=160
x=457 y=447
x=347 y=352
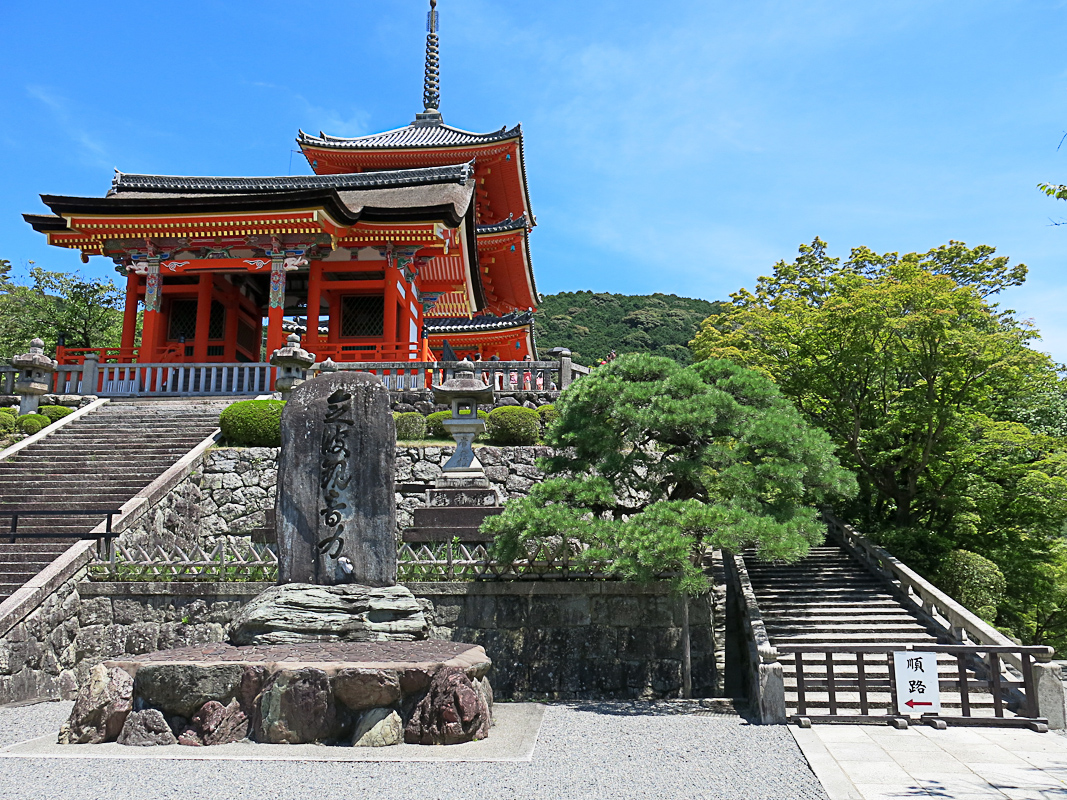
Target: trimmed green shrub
x=253 y=423
x=975 y=581
x=410 y=426
x=13 y=410
x=513 y=425
x=435 y=430
x=55 y=413
x=7 y=423
x=31 y=423
x=548 y=415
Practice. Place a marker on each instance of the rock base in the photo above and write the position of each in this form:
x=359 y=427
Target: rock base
x=342 y=693
x=302 y=612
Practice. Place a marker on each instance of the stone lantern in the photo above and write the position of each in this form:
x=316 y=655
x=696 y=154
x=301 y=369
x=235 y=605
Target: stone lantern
x=292 y=363
x=35 y=376
x=463 y=392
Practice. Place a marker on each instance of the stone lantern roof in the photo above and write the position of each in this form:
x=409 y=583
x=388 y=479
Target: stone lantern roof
x=463 y=385
x=35 y=359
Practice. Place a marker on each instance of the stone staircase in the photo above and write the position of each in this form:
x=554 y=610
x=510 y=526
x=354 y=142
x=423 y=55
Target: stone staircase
x=830 y=599
x=96 y=462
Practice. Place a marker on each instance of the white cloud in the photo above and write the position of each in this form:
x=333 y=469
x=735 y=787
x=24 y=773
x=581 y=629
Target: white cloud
x=69 y=121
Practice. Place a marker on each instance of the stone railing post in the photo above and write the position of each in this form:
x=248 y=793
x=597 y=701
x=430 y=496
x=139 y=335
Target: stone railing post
x=1049 y=700
x=90 y=371
x=35 y=376
x=564 y=371
x=771 y=682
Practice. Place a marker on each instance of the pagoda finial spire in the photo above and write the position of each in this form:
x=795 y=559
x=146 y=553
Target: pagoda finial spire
x=431 y=91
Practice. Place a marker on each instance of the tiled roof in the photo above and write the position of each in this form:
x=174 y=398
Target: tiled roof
x=483 y=322
x=456 y=173
x=437 y=135
x=505 y=226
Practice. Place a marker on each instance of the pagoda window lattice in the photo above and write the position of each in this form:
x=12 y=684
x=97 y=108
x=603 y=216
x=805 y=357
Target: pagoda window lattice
x=362 y=315
x=182 y=320
x=216 y=328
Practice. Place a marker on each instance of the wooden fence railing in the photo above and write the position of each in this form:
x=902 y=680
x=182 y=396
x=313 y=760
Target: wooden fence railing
x=914 y=590
x=831 y=679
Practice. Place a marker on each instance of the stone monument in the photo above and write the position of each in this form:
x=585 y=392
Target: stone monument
x=336 y=506
x=337 y=652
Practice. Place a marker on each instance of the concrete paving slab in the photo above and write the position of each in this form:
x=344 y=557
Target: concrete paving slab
x=957 y=763
x=912 y=761
x=874 y=772
x=512 y=738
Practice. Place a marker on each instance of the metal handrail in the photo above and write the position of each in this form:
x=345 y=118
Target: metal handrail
x=106 y=535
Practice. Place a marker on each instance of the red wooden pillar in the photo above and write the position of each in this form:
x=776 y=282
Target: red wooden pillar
x=276 y=310
x=333 y=327
x=129 y=315
x=389 y=337
x=153 y=297
x=203 y=316
x=311 y=338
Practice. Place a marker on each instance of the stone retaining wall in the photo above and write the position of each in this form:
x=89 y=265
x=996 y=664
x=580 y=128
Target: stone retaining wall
x=577 y=640
x=48 y=654
x=233 y=492
x=552 y=640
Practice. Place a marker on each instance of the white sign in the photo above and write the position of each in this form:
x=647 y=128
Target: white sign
x=918 y=691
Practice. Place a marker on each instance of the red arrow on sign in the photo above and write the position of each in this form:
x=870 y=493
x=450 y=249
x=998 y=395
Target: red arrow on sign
x=912 y=704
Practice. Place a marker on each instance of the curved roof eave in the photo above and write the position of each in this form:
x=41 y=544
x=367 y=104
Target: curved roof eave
x=409 y=137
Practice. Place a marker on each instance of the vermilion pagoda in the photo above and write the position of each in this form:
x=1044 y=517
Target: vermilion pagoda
x=400 y=241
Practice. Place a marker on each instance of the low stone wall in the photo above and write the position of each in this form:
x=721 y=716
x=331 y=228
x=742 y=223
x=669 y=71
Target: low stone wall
x=552 y=640
x=577 y=640
x=48 y=654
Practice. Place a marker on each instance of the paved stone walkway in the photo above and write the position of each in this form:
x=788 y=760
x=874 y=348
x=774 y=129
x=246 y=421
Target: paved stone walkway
x=868 y=762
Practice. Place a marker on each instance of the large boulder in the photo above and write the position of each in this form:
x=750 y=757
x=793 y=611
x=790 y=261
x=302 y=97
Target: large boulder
x=146 y=728
x=299 y=612
x=298 y=706
x=101 y=707
x=358 y=688
x=452 y=711
x=184 y=688
x=378 y=727
x=215 y=723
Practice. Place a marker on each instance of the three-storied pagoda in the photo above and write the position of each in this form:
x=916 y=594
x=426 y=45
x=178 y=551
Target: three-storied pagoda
x=399 y=242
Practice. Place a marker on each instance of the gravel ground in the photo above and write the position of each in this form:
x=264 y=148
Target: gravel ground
x=584 y=751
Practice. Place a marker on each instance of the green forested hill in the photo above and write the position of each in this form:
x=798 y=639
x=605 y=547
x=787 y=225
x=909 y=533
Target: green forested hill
x=593 y=324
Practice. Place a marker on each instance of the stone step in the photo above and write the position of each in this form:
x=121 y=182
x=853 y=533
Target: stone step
x=780 y=629
x=467 y=535
x=453 y=516
x=885 y=601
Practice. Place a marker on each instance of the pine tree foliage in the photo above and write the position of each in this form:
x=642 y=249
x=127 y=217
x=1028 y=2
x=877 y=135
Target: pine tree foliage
x=655 y=462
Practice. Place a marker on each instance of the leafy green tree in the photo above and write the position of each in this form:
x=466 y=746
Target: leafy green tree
x=655 y=462
x=86 y=311
x=887 y=354
x=933 y=396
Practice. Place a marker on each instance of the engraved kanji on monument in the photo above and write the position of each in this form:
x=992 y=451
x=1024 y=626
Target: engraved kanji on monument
x=336 y=507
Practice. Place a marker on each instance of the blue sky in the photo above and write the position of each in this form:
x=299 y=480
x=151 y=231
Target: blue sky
x=675 y=147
